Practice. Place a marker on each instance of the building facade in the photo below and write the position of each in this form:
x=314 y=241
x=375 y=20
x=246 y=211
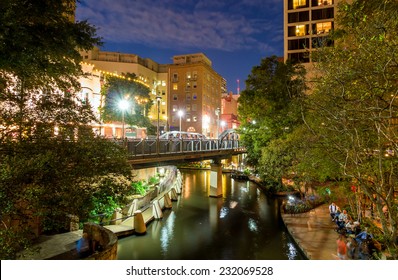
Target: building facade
x=229 y=111
x=150 y=73
x=186 y=94
x=307 y=24
x=195 y=95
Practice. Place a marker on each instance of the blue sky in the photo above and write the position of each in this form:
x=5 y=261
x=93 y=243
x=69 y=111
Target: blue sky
x=234 y=34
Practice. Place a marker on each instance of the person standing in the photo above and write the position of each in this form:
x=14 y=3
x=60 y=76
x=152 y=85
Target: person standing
x=333 y=209
x=341 y=247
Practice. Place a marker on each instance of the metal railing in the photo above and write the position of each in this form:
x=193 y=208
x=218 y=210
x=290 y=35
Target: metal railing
x=140 y=147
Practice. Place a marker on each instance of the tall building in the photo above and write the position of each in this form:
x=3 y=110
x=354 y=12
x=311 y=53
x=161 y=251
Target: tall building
x=307 y=24
x=195 y=94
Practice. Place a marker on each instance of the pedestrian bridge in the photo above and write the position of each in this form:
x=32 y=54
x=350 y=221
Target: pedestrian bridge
x=145 y=153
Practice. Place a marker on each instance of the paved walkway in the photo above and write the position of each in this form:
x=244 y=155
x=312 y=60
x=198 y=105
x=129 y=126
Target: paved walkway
x=314 y=233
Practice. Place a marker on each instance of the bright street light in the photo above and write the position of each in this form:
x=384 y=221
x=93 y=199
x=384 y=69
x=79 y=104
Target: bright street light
x=223 y=124
x=180 y=114
x=123 y=106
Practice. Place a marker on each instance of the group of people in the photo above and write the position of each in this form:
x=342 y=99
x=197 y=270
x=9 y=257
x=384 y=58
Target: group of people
x=352 y=243
x=345 y=224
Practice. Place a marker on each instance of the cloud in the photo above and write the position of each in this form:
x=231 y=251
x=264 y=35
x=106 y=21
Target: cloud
x=176 y=24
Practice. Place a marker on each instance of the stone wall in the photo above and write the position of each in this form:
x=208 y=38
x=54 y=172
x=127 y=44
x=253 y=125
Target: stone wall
x=103 y=242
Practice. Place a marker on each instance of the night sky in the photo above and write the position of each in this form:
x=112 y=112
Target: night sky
x=234 y=34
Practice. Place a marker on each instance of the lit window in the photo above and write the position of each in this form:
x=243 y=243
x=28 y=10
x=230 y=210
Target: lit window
x=323 y=27
x=175 y=86
x=188 y=75
x=324 y=2
x=299 y=3
x=188 y=108
x=194 y=118
x=175 y=108
x=300 y=30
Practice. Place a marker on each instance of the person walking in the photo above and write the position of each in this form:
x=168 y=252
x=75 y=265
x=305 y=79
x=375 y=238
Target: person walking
x=341 y=247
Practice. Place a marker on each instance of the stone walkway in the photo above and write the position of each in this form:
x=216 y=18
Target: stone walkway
x=314 y=233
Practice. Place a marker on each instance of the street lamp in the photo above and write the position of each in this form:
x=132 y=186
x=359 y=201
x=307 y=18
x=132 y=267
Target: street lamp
x=180 y=114
x=218 y=120
x=123 y=106
x=158 y=98
x=223 y=124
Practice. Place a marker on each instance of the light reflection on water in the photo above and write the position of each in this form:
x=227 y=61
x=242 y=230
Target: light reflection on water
x=243 y=224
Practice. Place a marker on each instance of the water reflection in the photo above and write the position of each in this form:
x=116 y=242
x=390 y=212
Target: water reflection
x=243 y=224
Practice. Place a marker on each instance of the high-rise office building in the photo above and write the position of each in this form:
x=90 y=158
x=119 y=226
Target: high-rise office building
x=307 y=24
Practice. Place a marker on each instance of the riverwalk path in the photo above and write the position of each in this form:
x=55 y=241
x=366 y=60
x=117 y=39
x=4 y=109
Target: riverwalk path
x=314 y=232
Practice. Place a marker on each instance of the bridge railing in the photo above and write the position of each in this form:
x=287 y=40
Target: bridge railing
x=137 y=147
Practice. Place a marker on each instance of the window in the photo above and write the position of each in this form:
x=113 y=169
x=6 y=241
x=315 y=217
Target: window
x=194 y=118
x=323 y=27
x=188 y=108
x=175 y=86
x=325 y=2
x=298 y=44
x=175 y=97
x=188 y=85
x=194 y=75
x=175 y=77
x=297 y=4
x=188 y=118
x=194 y=107
x=194 y=96
x=326 y=13
x=300 y=30
x=175 y=108
x=188 y=75
x=194 y=84
x=299 y=57
x=163 y=92
x=188 y=97
x=298 y=16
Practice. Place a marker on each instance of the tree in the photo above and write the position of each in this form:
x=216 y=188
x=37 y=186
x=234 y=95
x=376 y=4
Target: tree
x=269 y=108
x=354 y=107
x=51 y=164
x=136 y=93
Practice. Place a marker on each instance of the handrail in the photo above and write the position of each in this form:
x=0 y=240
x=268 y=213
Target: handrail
x=141 y=147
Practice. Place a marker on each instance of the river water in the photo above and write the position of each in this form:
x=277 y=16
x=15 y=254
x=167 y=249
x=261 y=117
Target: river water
x=244 y=224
